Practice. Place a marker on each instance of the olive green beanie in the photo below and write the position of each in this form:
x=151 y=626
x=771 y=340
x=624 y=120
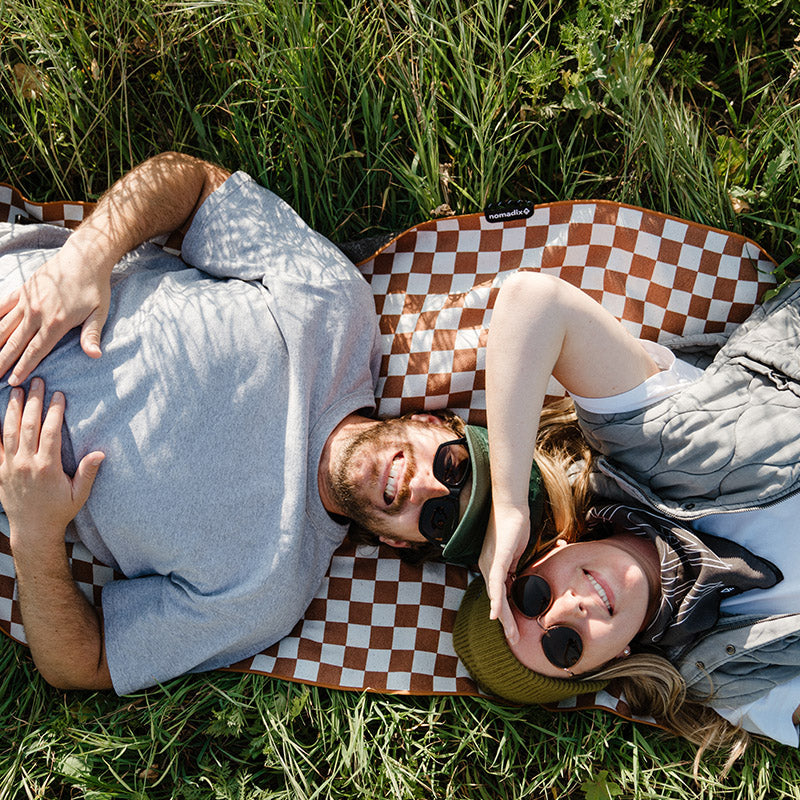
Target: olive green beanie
x=480 y=644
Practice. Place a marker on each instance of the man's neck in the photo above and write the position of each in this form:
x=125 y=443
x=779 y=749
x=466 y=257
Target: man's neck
x=335 y=444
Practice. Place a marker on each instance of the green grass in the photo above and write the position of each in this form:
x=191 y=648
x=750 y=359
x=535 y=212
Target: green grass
x=231 y=736
x=367 y=116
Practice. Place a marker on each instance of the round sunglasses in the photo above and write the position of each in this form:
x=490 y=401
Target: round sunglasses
x=532 y=596
x=439 y=516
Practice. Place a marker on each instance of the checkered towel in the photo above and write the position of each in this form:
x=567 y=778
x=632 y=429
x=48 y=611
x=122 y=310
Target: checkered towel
x=377 y=623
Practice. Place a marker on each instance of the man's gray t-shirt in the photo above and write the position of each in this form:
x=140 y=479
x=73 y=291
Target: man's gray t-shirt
x=217 y=389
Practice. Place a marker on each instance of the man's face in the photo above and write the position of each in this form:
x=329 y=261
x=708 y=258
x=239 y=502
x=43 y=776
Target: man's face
x=385 y=474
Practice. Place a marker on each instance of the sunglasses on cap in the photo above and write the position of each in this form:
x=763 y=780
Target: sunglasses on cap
x=439 y=516
x=532 y=596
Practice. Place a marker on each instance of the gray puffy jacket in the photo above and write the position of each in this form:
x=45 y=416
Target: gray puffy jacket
x=729 y=442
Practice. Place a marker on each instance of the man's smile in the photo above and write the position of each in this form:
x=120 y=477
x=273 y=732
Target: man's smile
x=394 y=478
x=380 y=475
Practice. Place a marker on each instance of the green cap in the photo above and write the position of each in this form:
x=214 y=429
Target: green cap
x=482 y=647
x=466 y=542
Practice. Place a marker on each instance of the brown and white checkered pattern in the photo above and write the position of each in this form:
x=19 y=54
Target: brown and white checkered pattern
x=376 y=622
x=89 y=574
x=15 y=208
x=436 y=284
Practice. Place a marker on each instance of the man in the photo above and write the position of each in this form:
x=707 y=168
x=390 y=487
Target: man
x=229 y=407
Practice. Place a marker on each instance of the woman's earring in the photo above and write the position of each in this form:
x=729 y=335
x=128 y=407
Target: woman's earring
x=626 y=652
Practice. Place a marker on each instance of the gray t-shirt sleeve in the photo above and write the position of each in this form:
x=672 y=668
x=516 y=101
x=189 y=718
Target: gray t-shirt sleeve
x=178 y=630
x=245 y=231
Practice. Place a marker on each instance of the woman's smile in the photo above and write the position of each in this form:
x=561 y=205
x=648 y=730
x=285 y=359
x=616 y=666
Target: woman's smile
x=600 y=589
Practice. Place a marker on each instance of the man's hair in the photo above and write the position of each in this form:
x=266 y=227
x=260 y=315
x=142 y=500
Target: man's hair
x=413 y=554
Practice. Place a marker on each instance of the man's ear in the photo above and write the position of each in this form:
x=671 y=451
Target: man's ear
x=431 y=419
x=399 y=543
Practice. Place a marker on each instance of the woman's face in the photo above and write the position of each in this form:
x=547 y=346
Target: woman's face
x=600 y=589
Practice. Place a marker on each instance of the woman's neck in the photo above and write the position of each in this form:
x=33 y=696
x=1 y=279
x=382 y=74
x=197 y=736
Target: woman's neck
x=645 y=552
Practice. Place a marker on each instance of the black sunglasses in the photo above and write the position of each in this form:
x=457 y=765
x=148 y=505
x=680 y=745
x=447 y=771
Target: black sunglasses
x=438 y=517
x=532 y=596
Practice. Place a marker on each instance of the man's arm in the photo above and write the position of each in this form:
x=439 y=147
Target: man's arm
x=64 y=632
x=73 y=288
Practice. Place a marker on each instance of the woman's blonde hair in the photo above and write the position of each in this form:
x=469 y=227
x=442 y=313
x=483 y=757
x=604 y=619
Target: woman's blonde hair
x=651 y=684
x=564 y=460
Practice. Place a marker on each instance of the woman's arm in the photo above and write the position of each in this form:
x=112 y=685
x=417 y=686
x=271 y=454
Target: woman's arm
x=73 y=288
x=540 y=326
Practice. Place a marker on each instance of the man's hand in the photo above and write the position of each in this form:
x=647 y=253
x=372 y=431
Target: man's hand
x=39 y=498
x=64 y=632
x=505 y=541
x=62 y=294
x=159 y=196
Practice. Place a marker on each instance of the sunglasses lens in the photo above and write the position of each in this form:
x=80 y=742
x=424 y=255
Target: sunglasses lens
x=531 y=595
x=438 y=519
x=562 y=646
x=451 y=464
x=439 y=516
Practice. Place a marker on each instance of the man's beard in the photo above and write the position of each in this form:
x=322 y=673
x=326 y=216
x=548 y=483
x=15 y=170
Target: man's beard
x=350 y=496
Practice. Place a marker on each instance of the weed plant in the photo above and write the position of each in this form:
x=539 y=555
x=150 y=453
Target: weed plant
x=369 y=116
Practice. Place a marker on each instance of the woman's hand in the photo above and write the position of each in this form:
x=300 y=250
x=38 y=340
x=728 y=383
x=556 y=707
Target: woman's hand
x=39 y=498
x=506 y=539
x=62 y=294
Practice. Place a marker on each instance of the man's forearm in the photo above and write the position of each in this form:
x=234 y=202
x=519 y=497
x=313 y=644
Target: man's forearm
x=157 y=197
x=63 y=630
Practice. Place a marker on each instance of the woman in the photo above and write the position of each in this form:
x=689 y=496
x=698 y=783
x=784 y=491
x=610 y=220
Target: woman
x=692 y=446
